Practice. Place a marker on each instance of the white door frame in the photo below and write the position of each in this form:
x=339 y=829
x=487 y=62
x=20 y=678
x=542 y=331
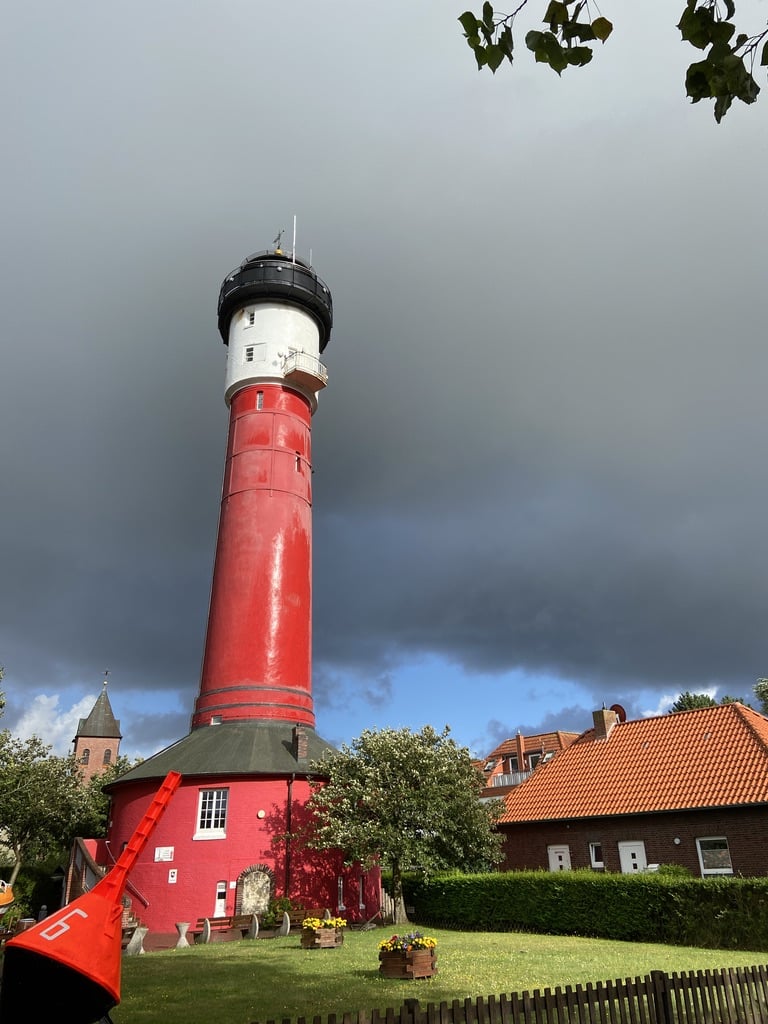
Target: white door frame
x=559 y=857
x=632 y=857
x=220 y=906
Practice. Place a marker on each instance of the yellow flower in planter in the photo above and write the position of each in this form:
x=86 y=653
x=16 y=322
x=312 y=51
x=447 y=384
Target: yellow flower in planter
x=316 y=923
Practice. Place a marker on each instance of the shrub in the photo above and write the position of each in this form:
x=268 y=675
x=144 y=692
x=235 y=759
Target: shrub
x=273 y=916
x=715 y=913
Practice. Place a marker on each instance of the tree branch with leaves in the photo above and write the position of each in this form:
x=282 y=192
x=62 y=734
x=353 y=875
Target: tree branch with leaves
x=409 y=801
x=724 y=74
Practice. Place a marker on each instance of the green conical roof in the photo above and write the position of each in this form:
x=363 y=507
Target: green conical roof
x=255 y=747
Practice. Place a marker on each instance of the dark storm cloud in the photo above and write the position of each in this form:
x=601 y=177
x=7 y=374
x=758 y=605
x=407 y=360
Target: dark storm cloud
x=542 y=443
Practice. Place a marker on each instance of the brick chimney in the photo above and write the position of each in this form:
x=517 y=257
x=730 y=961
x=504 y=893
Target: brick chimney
x=299 y=743
x=520 y=743
x=604 y=720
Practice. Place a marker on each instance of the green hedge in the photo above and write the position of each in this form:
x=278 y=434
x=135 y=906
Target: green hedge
x=715 y=913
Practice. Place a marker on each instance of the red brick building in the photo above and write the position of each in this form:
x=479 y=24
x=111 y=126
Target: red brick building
x=97 y=741
x=512 y=761
x=689 y=788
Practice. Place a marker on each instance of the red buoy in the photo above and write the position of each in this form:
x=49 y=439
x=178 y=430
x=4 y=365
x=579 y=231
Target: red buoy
x=67 y=967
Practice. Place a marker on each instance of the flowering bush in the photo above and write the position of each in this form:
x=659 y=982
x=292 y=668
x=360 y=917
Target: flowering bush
x=327 y=922
x=413 y=940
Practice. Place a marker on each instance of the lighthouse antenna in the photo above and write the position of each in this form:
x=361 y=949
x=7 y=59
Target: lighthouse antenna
x=294 y=239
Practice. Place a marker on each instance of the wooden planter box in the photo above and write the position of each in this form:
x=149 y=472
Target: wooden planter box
x=407 y=963
x=321 y=938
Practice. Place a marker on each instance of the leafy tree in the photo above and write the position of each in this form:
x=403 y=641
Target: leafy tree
x=99 y=802
x=43 y=802
x=688 y=701
x=760 y=689
x=407 y=800
x=723 y=74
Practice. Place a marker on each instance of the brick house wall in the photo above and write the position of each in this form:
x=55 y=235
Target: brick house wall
x=746 y=829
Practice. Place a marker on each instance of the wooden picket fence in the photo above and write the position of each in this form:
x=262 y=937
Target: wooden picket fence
x=736 y=995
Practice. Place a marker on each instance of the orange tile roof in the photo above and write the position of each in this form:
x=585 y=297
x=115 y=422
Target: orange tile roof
x=545 y=741
x=710 y=757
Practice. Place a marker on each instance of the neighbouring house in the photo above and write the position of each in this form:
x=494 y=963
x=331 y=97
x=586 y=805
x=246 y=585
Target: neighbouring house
x=512 y=761
x=689 y=788
x=97 y=741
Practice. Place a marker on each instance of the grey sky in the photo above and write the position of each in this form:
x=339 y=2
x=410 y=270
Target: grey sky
x=542 y=446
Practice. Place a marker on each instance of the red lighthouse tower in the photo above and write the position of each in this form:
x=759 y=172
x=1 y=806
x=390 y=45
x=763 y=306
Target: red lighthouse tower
x=275 y=316
x=224 y=846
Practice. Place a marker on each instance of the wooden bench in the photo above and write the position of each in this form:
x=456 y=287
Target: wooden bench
x=225 y=929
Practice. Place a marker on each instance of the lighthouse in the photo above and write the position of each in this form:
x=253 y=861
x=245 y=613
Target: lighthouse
x=225 y=845
x=275 y=318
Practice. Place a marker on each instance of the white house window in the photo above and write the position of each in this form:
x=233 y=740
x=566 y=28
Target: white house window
x=212 y=814
x=714 y=856
x=596 y=855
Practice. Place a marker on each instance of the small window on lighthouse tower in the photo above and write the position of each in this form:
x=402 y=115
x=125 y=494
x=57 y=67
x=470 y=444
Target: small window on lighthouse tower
x=254 y=353
x=251 y=317
x=259 y=399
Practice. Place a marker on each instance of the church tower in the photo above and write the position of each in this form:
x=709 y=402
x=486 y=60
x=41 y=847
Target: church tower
x=97 y=741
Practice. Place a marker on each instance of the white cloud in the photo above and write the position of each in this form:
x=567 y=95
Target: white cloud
x=54 y=725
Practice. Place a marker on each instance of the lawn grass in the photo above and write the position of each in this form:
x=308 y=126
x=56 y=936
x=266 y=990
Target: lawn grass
x=240 y=982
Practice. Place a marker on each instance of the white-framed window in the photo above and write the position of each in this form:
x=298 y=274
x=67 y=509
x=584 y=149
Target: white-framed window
x=714 y=855
x=212 y=814
x=596 y=855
